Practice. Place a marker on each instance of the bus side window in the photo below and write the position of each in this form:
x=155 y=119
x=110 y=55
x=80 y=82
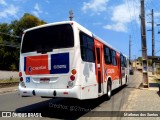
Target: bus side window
x=125 y=63
x=114 y=58
x=87 y=47
x=122 y=61
x=107 y=55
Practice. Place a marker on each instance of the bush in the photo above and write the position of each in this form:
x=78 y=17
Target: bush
x=13 y=67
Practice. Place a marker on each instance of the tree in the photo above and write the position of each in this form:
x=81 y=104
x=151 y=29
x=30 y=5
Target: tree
x=27 y=21
x=140 y=59
x=10 y=34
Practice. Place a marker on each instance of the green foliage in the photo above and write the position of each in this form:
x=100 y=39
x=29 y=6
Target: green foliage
x=140 y=59
x=27 y=21
x=149 y=62
x=9 y=56
x=13 y=67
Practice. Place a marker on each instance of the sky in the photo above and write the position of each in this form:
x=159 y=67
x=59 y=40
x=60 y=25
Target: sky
x=111 y=20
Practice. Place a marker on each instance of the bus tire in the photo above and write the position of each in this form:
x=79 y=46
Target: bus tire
x=109 y=89
x=126 y=81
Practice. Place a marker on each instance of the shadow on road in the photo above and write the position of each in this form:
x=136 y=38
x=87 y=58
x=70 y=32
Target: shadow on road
x=65 y=108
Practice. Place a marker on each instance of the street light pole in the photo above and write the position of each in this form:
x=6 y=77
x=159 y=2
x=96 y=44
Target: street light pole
x=129 y=48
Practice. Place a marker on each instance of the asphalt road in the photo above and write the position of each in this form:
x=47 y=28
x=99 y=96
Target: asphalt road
x=59 y=108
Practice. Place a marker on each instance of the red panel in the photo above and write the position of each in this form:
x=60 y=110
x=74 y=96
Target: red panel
x=37 y=65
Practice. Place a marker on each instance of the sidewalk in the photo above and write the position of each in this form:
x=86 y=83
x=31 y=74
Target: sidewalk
x=143 y=99
x=8 y=89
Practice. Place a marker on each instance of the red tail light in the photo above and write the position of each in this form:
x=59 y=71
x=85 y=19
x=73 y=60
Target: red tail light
x=21 y=79
x=20 y=74
x=72 y=77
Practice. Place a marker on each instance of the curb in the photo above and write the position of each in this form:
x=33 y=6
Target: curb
x=150 y=88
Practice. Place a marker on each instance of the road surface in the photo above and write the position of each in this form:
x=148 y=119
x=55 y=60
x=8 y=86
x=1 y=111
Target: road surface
x=59 y=108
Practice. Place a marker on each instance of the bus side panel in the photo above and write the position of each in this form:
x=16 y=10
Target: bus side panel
x=87 y=76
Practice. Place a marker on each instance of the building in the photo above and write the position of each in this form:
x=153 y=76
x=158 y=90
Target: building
x=136 y=65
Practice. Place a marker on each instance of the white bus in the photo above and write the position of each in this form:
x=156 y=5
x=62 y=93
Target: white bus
x=65 y=59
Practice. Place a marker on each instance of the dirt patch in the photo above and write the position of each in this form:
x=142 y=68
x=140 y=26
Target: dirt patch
x=5 y=85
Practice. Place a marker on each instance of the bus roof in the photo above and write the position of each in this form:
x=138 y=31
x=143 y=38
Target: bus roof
x=79 y=27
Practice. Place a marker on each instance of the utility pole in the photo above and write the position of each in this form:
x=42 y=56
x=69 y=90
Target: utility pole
x=158 y=31
x=71 y=15
x=130 y=49
x=144 y=47
x=153 y=43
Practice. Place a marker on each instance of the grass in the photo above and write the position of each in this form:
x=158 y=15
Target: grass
x=11 y=80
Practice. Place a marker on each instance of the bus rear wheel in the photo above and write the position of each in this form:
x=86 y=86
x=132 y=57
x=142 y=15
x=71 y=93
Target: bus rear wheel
x=109 y=90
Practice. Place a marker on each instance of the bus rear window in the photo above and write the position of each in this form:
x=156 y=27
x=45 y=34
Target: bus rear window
x=48 y=38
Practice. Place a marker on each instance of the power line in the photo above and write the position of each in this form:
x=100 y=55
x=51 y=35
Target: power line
x=153 y=41
x=133 y=17
x=151 y=1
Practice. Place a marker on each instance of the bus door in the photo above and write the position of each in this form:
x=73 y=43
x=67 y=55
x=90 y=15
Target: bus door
x=98 y=57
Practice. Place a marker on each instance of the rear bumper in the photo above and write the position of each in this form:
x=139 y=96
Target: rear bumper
x=74 y=92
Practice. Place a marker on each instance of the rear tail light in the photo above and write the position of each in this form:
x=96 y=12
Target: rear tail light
x=20 y=74
x=72 y=77
x=21 y=79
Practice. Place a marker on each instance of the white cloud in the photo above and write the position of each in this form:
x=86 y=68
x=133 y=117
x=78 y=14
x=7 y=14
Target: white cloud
x=96 y=6
x=119 y=27
x=97 y=23
x=157 y=14
x=36 y=7
x=37 y=10
x=10 y=10
x=122 y=15
x=3 y=2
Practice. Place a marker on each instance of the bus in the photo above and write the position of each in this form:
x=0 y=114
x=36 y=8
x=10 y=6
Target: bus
x=64 y=59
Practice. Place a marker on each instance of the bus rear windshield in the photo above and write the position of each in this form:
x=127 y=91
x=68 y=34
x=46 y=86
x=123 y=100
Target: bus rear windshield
x=48 y=38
